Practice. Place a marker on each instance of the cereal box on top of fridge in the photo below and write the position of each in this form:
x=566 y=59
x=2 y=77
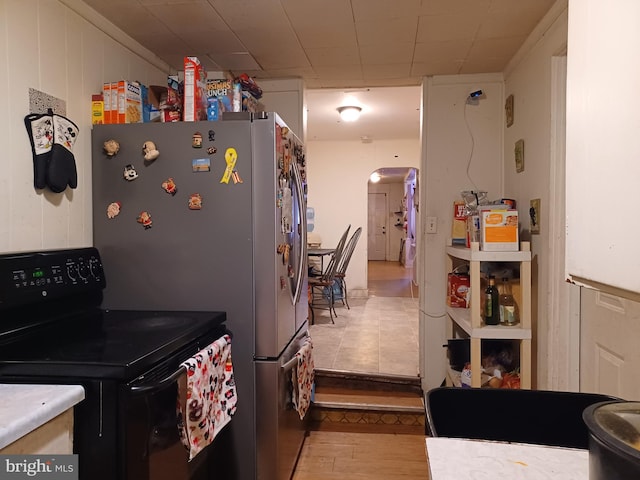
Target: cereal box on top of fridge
x=227 y=92
x=114 y=102
x=195 y=85
x=106 y=95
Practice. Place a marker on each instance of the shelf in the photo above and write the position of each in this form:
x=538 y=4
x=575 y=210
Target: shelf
x=470 y=254
x=462 y=318
x=470 y=319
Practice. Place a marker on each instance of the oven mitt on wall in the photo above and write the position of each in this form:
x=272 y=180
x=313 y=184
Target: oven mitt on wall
x=62 y=165
x=40 y=130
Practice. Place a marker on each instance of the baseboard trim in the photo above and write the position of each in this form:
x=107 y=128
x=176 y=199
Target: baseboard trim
x=359 y=293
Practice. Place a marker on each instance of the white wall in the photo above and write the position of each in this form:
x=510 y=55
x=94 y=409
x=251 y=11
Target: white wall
x=447 y=151
x=46 y=46
x=338 y=173
x=287 y=98
x=528 y=78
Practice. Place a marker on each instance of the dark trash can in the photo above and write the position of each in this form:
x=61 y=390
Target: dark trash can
x=539 y=417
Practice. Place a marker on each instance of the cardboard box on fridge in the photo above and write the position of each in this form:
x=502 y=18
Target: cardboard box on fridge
x=249 y=103
x=165 y=104
x=499 y=230
x=106 y=95
x=97 y=109
x=129 y=102
x=227 y=92
x=195 y=86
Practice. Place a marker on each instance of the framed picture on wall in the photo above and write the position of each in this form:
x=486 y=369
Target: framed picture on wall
x=534 y=216
x=508 y=110
x=519 y=155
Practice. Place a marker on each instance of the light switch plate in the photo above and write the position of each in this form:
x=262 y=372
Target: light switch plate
x=431 y=225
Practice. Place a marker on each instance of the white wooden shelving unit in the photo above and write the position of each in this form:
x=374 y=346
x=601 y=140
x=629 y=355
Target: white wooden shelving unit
x=470 y=319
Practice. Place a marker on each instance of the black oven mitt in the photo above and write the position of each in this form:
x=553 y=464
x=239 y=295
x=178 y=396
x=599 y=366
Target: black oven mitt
x=62 y=165
x=40 y=130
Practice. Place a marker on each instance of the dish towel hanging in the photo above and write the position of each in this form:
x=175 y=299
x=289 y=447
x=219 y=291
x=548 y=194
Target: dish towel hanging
x=210 y=399
x=302 y=377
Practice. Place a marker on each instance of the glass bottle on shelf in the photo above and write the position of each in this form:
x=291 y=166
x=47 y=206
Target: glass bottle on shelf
x=509 y=314
x=491 y=311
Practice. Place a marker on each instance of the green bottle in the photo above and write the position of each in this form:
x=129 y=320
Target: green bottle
x=491 y=303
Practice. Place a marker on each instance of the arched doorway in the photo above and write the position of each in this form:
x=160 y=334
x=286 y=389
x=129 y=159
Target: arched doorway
x=391 y=226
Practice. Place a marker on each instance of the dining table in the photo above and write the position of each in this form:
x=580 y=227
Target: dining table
x=456 y=458
x=321 y=253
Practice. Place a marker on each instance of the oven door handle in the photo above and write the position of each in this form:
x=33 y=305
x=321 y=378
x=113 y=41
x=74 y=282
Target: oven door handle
x=162 y=384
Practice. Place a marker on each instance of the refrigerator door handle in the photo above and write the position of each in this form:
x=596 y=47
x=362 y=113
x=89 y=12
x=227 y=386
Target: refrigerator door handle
x=302 y=261
x=290 y=364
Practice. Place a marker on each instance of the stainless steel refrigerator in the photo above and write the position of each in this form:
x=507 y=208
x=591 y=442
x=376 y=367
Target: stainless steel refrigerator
x=215 y=222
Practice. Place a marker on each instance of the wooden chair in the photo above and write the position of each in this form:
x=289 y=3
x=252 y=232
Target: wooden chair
x=341 y=272
x=322 y=294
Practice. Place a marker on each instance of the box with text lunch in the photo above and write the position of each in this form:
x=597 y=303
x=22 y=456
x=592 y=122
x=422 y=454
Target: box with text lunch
x=226 y=92
x=499 y=230
x=195 y=91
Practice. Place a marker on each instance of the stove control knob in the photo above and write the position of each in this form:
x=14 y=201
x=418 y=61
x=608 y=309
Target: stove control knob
x=72 y=272
x=83 y=271
x=95 y=268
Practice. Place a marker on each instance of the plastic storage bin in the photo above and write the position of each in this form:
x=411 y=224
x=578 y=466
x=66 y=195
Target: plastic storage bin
x=524 y=416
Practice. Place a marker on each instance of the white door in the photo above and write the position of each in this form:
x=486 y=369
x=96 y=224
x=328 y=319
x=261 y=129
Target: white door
x=377 y=226
x=609 y=354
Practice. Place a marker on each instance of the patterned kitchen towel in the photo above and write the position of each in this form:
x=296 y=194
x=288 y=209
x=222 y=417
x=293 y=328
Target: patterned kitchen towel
x=302 y=376
x=210 y=399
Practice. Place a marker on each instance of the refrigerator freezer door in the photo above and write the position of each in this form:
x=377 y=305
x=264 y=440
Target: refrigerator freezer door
x=279 y=430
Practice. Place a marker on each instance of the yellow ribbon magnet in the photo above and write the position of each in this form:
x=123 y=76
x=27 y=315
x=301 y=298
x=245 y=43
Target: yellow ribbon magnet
x=230 y=157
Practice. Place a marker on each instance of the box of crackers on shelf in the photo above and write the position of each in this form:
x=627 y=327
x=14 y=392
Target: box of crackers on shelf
x=498 y=228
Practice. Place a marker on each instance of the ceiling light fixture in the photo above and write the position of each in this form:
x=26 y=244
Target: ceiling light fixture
x=375 y=177
x=349 y=113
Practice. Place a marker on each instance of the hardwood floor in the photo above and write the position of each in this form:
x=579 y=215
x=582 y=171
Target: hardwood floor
x=363 y=450
x=359 y=456
x=390 y=279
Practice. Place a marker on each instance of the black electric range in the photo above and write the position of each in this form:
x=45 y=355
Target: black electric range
x=52 y=330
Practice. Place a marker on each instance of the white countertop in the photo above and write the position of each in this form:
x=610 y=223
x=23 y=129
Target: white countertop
x=455 y=459
x=23 y=408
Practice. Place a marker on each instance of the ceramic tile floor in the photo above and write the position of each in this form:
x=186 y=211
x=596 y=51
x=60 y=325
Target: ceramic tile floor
x=377 y=335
